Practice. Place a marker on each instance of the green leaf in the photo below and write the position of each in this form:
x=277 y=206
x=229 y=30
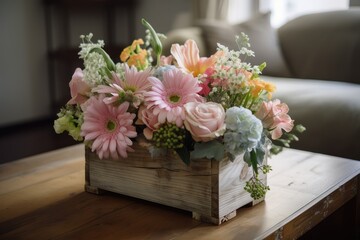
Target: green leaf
x=247 y=158
x=155 y=41
x=275 y=149
x=254 y=161
x=262 y=66
x=184 y=154
x=211 y=150
x=109 y=63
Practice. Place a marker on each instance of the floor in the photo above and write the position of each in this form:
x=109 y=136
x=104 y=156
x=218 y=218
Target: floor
x=31 y=138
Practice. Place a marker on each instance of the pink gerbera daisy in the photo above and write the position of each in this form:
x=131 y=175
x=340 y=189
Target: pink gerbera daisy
x=110 y=128
x=168 y=97
x=130 y=89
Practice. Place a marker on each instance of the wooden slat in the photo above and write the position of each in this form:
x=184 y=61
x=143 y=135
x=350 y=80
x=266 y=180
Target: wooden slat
x=168 y=181
x=175 y=185
x=233 y=176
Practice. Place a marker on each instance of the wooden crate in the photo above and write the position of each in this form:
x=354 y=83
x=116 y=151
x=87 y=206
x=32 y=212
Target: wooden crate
x=212 y=190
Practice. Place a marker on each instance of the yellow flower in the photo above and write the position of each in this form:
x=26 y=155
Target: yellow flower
x=134 y=55
x=270 y=88
x=257 y=86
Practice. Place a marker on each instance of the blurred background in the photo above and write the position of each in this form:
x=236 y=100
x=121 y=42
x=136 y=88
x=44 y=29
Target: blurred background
x=39 y=44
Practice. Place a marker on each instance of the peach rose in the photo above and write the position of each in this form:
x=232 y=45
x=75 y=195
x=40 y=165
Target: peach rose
x=274 y=116
x=147 y=117
x=79 y=89
x=205 y=121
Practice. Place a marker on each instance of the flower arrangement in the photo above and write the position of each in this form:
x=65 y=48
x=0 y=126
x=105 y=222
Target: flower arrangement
x=200 y=107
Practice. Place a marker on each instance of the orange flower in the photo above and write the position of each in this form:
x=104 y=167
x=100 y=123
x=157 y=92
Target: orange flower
x=134 y=55
x=138 y=60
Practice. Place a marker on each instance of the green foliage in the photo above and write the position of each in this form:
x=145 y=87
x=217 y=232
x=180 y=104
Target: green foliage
x=211 y=150
x=256 y=188
x=184 y=154
x=70 y=119
x=286 y=139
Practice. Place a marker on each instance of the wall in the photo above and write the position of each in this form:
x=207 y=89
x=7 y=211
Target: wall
x=24 y=94
x=23 y=69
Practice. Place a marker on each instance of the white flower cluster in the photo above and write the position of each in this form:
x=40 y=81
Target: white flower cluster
x=93 y=62
x=230 y=67
x=87 y=45
x=243 y=43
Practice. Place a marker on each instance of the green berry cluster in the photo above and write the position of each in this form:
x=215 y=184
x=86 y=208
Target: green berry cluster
x=169 y=136
x=265 y=168
x=256 y=188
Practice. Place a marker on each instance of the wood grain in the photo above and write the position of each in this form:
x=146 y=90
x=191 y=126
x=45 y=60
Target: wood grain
x=175 y=186
x=212 y=190
x=38 y=202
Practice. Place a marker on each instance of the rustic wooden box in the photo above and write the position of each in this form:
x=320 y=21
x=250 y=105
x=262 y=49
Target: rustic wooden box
x=212 y=190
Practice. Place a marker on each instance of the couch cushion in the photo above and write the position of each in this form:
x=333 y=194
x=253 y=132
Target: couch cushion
x=323 y=45
x=215 y=32
x=180 y=36
x=263 y=40
x=329 y=110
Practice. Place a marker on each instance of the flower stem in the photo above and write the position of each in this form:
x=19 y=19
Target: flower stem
x=156 y=43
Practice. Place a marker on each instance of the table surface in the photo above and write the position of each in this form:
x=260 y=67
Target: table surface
x=43 y=197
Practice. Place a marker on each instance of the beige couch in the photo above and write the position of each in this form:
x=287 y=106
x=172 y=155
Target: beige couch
x=315 y=62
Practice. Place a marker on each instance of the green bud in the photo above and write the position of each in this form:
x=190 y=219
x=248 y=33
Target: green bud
x=155 y=41
x=262 y=66
x=300 y=128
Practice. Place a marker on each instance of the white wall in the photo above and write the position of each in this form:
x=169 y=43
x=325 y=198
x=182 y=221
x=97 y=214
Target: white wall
x=23 y=70
x=24 y=91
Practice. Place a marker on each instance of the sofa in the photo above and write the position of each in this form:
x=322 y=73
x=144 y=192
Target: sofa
x=314 y=60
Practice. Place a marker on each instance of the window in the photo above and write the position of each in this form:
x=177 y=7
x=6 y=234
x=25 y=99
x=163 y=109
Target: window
x=285 y=10
x=282 y=10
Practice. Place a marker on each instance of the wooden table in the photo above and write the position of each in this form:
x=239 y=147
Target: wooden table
x=42 y=197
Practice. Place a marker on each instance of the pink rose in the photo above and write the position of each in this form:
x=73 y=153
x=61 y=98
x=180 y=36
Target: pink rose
x=274 y=117
x=147 y=117
x=205 y=121
x=79 y=89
